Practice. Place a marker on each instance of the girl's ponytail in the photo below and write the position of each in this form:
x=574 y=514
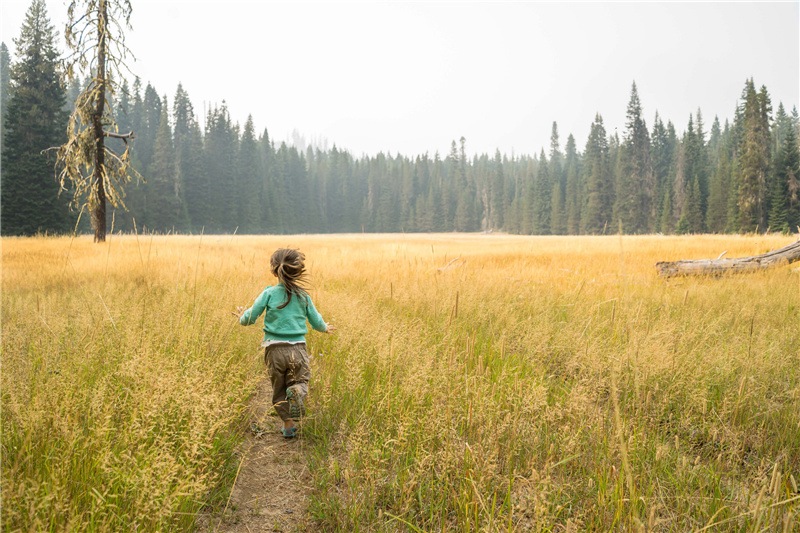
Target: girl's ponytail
x=289 y=267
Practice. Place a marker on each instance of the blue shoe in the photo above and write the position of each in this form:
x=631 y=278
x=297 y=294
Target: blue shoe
x=295 y=402
x=289 y=433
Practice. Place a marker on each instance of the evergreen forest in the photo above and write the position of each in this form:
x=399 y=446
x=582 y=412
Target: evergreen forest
x=740 y=175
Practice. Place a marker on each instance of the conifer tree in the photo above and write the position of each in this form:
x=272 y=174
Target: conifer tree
x=543 y=195
x=97 y=43
x=635 y=187
x=163 y=191
x=496 y=201
x=663 y=150
x=150 y=118
x=596 y=212
x=34 y=121
x=187 y=141
x=5 y=81
x=558 y=225
x=714 y=147
x=753 y=159
x=690 y=162
x=221 y=141
x=732 y=217
x=701 y=166
x=572 y=191
x=719 y=190
x=249 y=183
x=528 y=204
x=692 y=215
x=785 y=208
x=667 y=226
x=558 y=222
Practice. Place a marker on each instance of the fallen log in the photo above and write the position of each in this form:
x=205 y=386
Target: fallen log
x=787 y=254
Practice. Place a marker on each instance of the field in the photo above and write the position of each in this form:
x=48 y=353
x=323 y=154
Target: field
x=476 y=383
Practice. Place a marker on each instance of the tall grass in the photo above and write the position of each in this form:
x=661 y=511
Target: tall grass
x=476 y=383
x=122 y=382
x=570 y=389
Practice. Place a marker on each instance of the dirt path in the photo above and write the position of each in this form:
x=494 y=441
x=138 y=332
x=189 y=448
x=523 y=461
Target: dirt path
x=271 y=489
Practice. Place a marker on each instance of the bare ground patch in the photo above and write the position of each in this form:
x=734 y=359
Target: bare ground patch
x=271 y=490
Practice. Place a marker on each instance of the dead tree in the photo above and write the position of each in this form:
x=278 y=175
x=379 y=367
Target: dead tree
x=686 y=267
x=95 y=171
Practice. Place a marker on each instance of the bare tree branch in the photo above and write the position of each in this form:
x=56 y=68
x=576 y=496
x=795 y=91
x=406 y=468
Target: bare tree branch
x=123 y=136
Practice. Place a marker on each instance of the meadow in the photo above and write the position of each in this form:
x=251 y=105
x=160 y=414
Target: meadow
x=476 y=383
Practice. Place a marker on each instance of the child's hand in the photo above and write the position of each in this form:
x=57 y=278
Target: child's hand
x=239 y=311
x=331 y=329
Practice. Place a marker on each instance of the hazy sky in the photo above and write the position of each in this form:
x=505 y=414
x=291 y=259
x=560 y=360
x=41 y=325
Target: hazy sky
x=411 y=77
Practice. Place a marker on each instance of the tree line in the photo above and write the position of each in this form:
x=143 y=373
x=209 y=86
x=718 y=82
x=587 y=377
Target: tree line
x=742 y=175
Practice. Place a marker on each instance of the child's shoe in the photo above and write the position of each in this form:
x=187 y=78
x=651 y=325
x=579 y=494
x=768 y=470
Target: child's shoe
x=289 y=433
x=295 y=402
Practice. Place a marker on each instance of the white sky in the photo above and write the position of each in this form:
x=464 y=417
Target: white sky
x=411 y=77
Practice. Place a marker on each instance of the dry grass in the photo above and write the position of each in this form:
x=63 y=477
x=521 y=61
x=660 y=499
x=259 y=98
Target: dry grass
x=477 y=383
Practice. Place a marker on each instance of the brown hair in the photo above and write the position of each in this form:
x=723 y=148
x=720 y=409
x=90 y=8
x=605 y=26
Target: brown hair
x=288 y=265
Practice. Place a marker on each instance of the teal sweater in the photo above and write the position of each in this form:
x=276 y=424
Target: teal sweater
x=287 y=324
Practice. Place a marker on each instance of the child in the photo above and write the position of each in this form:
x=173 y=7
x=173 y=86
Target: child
x=287 y=307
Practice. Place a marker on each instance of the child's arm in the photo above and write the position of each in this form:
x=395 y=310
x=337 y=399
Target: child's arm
x=315 y=319
x=249 y=316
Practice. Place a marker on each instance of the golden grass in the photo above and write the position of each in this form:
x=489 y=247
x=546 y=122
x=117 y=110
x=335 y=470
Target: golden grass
x=477 y=383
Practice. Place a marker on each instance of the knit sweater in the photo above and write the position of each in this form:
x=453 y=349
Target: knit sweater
x=287 y=324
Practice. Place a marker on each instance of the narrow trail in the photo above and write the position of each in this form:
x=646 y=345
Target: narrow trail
x=271 y=490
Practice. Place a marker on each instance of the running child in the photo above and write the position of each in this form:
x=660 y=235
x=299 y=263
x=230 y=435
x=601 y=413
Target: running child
x=287 y=306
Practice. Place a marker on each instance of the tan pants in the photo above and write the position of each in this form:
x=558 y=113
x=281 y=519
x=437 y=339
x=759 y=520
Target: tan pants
x=287 y=365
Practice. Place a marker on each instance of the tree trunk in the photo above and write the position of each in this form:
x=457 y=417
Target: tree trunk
x=99 y=215
x=787 y=254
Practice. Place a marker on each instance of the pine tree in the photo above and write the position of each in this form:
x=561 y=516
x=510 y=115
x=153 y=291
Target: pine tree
x=719 y=189
x=464 y=212
x=663 y=150
x=667 y=226
x=753 y=159
x=248 y=168
x=558 y=224
x=596 y=212
x=299 y=186
x=150 y=122
x=163 y=193
x=634 y=206
x=221 y=141
x=497 y=200
x=558 y=217
x=527 y=204
x=732 y=218
x=785 y=209
x=572 y=189
x=689 y=170
x=714 y=147
x=5 y=81
x=778 y=213
x=188 y=153
x=783 y=123
x=543 y=196
x=701 y=167
x=34 y=121
x=692 y=215
x=97 y=43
